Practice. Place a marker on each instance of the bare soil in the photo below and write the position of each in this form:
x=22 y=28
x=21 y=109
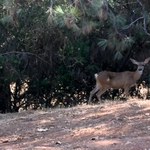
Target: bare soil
x=107 y=126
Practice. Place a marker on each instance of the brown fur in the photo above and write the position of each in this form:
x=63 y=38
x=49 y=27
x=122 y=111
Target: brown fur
x=116 y=80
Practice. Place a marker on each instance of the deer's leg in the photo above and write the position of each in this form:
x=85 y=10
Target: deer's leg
x=96 y=89
x=102 y=91
x=126 y=92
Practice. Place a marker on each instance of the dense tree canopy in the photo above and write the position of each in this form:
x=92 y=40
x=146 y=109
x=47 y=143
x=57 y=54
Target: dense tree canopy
x=50 y=49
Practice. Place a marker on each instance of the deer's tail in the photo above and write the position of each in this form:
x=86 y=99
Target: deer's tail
x=96 y=75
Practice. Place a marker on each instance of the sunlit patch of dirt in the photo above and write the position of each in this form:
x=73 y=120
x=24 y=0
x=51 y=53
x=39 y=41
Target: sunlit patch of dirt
x=108 y=126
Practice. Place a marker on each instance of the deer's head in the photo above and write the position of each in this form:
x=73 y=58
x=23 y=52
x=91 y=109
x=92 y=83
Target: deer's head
x=140 y=65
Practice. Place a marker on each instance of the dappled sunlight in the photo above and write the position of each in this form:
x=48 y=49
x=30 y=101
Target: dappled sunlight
x=46 y=121
x=106 y=143
x=83 y=127
x=23 y=89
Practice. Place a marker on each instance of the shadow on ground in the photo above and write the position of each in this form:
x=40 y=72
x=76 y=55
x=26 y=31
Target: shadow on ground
x=108 y=126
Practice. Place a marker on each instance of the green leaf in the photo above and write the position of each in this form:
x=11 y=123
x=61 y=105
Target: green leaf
x=127 y=43
x=6 y=19
x=118 y=55
x=120 y=21
x=59 y=10
x=103 y=43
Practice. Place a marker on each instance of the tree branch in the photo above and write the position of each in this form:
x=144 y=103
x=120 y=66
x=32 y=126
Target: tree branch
x=144 y=17
x=145 y=28
x=133 y=23
x=140 y=18
x=28 y=53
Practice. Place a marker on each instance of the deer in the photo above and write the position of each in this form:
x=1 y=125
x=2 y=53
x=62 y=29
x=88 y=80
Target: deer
x=117 y=80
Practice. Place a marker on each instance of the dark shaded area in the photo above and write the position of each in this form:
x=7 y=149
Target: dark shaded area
x=50 y=55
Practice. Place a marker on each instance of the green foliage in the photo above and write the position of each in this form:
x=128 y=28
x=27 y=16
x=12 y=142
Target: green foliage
x=103 y=43
x=127 y=43
x=55 y=47
x=117 y=21
x=118 y=45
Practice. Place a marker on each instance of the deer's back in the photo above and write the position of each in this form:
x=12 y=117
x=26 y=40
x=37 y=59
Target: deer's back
x=116 y=79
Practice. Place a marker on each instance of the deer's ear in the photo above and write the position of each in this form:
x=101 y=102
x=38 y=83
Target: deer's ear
x=147 y=60
x=134 y=61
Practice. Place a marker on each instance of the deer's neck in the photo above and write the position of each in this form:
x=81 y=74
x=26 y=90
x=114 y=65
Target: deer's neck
x=138 y=74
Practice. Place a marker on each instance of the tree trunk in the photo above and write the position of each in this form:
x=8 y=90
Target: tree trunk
x=5 y=98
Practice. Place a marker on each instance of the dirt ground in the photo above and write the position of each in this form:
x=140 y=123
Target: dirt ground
x=107 y=126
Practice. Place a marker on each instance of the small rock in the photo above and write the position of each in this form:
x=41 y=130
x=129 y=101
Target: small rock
x=147 y=114
x=58 y=143
x=5 y=141
x=128 y=142
x=42 y=129
x=94 y=138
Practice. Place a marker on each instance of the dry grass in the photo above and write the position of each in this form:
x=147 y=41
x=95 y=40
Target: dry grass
x=108 y=126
